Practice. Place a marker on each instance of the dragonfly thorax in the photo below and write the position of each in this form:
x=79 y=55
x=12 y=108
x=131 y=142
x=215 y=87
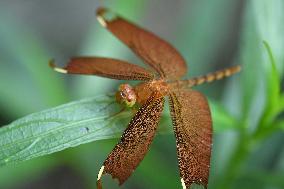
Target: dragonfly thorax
x=126 y=95
x=145 y=90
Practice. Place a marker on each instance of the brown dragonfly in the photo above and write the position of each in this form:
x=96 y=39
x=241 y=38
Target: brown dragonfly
x=189 y=109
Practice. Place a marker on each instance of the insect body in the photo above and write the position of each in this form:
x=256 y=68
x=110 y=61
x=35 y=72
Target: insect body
x=189 y=108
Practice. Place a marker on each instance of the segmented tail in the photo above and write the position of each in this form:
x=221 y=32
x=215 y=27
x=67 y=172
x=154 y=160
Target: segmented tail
x=208 y=78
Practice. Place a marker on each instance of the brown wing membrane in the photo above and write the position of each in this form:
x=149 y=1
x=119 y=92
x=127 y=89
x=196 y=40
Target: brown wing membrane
x=106 y=67
x=156 y=52
x=135 y=141
x=192 y=126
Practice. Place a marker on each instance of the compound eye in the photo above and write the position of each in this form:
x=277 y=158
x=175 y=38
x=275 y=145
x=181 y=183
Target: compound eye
x=122 y=94
x=126 y=95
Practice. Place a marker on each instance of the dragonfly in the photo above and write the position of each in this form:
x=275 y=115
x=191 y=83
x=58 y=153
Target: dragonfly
x=189 y=109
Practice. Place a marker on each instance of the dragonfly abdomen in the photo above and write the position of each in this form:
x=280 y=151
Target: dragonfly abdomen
x=208 y=78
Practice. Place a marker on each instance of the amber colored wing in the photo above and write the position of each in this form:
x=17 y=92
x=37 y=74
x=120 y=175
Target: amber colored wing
x=105 y=67
x=156 y=52
x=135 y=141
x=193 y=130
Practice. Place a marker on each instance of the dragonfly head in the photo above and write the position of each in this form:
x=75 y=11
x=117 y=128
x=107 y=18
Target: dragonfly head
x=126 y=95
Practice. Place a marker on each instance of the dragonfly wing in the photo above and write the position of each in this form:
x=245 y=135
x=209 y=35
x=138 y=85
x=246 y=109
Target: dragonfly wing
x=193 y=130
x=105 y=67
x=156 y=52
x=135 y=141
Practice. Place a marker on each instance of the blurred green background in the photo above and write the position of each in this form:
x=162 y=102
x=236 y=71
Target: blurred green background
x=209 y=34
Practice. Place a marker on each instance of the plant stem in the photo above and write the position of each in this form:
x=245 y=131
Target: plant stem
x=235 y=163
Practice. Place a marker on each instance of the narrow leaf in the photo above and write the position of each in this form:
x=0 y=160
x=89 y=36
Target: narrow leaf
x=273 y=83
x=269 y=17
x=222 y=120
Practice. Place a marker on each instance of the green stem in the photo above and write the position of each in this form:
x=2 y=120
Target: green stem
x=235 y=163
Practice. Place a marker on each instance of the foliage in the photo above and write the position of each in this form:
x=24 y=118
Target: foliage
x=249 y=118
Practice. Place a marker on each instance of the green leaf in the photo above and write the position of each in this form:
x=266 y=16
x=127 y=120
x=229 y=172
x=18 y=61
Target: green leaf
x=222 y=120
x=262 y=21
x=269 y=18
x=272 y=92
x=273 y=83
x=61 y=127
x=73 y=124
